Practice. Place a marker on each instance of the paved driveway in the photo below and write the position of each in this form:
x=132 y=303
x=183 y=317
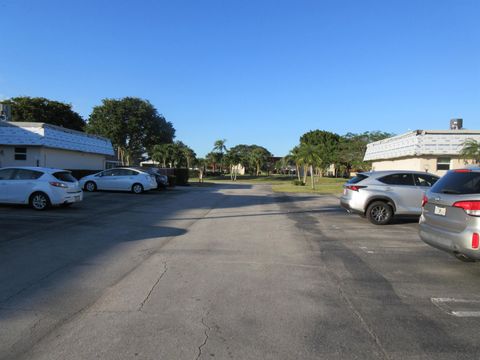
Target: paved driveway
x=230 y=271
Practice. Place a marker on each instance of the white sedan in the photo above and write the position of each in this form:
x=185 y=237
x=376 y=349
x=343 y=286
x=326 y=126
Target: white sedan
x=39 y=187
x=119 y=179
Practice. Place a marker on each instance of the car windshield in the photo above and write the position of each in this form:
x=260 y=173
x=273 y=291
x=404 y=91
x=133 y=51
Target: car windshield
x=458 y=183
x=64 y=176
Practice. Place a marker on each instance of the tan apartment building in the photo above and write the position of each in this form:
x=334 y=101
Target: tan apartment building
x=434 y=151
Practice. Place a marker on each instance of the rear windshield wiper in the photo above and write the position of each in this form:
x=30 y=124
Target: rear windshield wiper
x=450 y=191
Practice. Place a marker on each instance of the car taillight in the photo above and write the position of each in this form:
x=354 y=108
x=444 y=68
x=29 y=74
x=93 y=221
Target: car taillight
x=475 y=241
x=58 y=184
x=462 y=170
x=424 y=200
x=472 y=208
x=355 y=187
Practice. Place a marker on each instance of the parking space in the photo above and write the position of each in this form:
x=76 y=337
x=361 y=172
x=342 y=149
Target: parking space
x=378 y=289
x=19 y=220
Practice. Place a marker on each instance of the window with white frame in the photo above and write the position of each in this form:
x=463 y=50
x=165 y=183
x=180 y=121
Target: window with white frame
x=20 y=153
x=443 y=163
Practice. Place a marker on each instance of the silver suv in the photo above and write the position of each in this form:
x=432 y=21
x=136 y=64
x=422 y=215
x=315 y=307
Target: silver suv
x=379 y=195
x=450 y=219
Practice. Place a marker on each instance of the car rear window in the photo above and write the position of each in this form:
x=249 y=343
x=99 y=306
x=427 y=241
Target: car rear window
x=458 y=183
x=357 y=179
x=64 y=176
x=398 y=179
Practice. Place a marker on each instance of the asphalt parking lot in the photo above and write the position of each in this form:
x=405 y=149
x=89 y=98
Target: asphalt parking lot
x=230 y=271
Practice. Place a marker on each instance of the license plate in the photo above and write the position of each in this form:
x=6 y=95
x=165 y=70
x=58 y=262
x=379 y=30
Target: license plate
x=440 y=211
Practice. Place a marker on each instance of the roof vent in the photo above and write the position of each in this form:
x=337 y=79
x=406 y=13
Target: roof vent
x=456 y=124
x=5 y=112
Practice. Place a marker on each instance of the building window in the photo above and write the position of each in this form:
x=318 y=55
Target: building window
x=443 y=163
x=20 y=153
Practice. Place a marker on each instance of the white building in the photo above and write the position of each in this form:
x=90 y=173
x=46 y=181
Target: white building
x=435 y=151
x=40 y=144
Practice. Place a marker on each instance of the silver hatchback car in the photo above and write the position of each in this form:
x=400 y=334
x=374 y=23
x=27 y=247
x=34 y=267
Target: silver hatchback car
x=450 y=219
x=379 y=195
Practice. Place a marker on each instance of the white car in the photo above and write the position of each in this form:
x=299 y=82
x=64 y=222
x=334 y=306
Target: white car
x=39 y=187
x=119 y=179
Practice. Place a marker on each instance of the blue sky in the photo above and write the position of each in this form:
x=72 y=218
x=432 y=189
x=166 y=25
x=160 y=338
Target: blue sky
x=252 y=71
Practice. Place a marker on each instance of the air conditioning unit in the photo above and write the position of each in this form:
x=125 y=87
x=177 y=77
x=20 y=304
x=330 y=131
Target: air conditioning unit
x=456 y=124
x=5 y=112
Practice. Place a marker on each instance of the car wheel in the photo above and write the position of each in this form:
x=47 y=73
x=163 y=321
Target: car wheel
x=39 y=201
x=379 y=213
x=464 y=258
x=137 y=188
x=90 y=186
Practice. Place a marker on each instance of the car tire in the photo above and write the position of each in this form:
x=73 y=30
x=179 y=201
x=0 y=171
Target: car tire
x=39 y=201
x=464 y=258
x=90 y=186
x=137 y=188
x=379 y=213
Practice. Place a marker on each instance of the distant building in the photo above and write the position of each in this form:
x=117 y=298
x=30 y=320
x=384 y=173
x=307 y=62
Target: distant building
x=435 y=151
x=40 y=144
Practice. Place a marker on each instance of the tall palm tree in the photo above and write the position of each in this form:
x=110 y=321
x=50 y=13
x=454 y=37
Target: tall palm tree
x=295 y=157
x=310 y=156
x=220 y=148
x=471 y=150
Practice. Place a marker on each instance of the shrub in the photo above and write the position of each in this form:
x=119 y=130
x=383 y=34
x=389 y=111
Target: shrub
x=298 y=183
x=181 y=176
x=172 y=180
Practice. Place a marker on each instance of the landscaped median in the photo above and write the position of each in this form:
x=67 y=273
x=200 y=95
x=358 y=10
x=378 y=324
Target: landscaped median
x=280 y=183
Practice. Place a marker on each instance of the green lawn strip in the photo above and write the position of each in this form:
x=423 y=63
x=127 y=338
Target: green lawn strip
x=319 y=189
x=271 y=180
x=332 y=186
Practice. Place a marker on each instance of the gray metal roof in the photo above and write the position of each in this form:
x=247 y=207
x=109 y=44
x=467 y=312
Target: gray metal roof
x=41 y=134
x=420 y=143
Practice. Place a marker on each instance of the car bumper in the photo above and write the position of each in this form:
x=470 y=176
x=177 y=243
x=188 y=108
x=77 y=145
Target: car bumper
x=348 y=205
x=454 y=243
x=59 y=198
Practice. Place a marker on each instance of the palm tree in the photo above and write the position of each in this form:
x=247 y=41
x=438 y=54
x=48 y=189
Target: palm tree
x=161 y=153
x=189 y=155
x=471 y=150
x=310 y=156
x=295 y=157
x=220 y=148
x=201 y=164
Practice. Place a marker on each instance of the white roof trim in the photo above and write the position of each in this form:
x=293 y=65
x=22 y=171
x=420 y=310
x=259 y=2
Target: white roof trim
x=40 y=134
x=420 y=143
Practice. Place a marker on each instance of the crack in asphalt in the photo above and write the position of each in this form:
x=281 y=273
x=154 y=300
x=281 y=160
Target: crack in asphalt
x=165 y=268
x=363 y=322
x=206 y=331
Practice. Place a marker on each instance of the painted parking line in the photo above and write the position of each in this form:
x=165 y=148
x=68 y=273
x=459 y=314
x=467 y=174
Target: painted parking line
x=458 y=307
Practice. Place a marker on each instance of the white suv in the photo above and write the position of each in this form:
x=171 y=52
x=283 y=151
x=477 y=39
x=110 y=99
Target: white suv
x=379 y=195
x=39 y=187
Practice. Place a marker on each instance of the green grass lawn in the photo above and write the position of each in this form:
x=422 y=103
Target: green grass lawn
x=280 y=183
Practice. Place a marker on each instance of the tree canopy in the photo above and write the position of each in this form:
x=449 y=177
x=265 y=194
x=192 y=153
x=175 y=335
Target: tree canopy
x=39 y=109
x=326 y=144
x=471 y=150
x=176 y=154
x=132 y=124
x=253 y=157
